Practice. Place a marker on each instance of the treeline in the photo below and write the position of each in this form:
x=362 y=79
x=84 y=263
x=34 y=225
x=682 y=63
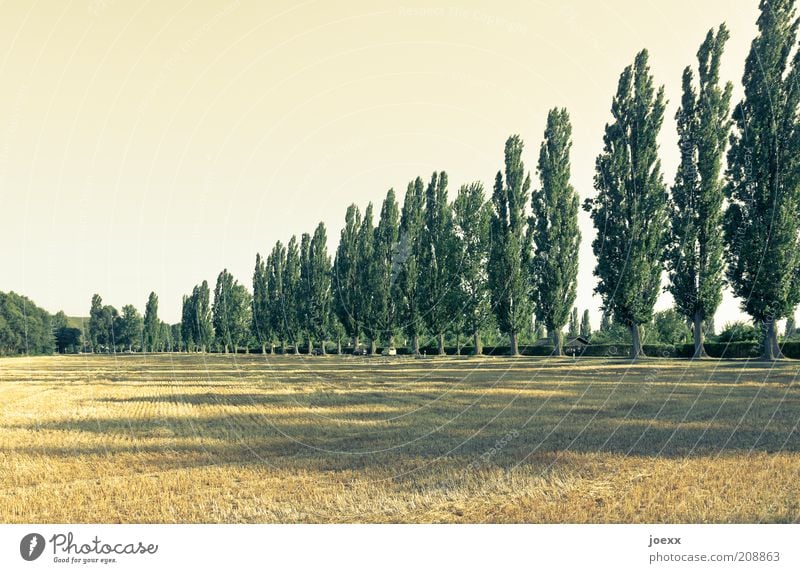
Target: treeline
x=24 y=327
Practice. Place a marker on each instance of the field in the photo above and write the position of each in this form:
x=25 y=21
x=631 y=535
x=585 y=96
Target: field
x=232 y=439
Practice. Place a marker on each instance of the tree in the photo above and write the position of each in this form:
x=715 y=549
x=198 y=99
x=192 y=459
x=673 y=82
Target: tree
x=509 y=253
x=276 y=262
x=574 y=327
x=67 y=338
x=204 y=330
x=437 y=259
x=262 y=321
x=791 y=327
x=586 y=327
x=670 y=327
x=231 y=312
x=367 y=278
x=319 y=286
x=553 y=227
x=763 y=179
x=471 y=218
x=25 y=328
x=131 y=327
x=407 y=262
x=629 y=211
x=303 y=300
x=290 y=295
x=176 y=334
x=345 y=279
x=694 y=254
x=96 y=324
x=385 y=246
x=152 y=324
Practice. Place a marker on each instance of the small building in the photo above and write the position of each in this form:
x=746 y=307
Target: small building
x=575 y=346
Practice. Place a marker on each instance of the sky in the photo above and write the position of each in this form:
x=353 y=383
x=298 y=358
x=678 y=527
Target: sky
x=145 y=146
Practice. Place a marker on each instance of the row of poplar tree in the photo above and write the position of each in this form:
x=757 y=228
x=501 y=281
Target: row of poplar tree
x=434 y=266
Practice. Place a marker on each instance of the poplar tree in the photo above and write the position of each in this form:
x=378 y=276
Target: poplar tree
x=367 y=278
x=554 y=232
x=384 y=249
x=152 y=325
x=222 y=310
x=471 y=217
x=303 y=298
x=204 y=330
x=262 y=323
x=96 y=322
x=763 y=176
x=573 y=324
x=586 y=326
x=276 y=262
x=437 y=260
x=346 y=277
x=629 y=211
x=319 y=286
x=694 y=255
x=407 y=262
x=131 y=326
x=290 y=295
x=509 y=253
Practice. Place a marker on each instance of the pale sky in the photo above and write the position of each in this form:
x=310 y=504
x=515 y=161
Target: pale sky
x=148 y=145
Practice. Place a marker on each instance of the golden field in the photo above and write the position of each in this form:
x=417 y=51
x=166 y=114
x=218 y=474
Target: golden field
x=251 y=438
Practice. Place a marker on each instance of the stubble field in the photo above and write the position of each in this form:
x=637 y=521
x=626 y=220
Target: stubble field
x=232 y=439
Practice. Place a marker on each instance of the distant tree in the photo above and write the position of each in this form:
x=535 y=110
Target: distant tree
x=670 y=327
x=509 y=252
x=67 y=339
x=471 y=217
x=368 y=278
x=262 y=321
x=629 y=211
x=231 y=312
x=345 y=279
x=605 y=322
x=738 y=332
x=437 y=259
x=25 y=328
x=276 y=263
x=165 y=342
x=131 y=327
x=574 y=327
x=586 y=327
x=385 y=246
x=553 y=227
x=152 y=324
x=694 y=254
x=176 y=334
x=204 y=330
x=763 y=179
x=97 y=327
x=791 y=327
x=291 y=294
x=303 y=300
x=407 y=263
x=319 y=286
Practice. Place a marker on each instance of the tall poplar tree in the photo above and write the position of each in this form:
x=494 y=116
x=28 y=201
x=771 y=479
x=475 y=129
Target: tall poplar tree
x=201 y=307
x=554 y=231
x=152 y=324
x=385 y=246
x=276 y=262
x=471 y=216
x=694 y=254
x=407 y=262
x=586 y=326
x=367 y=278
x=319 y=286
x=262 y=323
x=629 y=211
x=131 y=326
x=763 y=176
x=291 y=294
x=437 y=260
x=346 y=277
x=303 y=300
x=574 y=327
x=509 y=253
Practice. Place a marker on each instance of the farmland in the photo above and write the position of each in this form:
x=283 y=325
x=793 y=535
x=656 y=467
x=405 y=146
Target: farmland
x=258 y=438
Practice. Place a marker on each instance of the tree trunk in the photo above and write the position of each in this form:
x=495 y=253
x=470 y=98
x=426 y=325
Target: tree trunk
x=339 y=346
x=476 y=341
x=373 y=346
x=322 y=347
x=699 y=350
x=558 y=342
x=296 y=348
x=310 y=346
x=772 y=350
x=226 y=349
x=440 y=343
x=391 y=340
x=514 y=347
x=636 y=342
x=415 y=344
x=355 y=343
x=458 y=344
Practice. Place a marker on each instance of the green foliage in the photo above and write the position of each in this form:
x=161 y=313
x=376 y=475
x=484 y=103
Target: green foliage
x=291 y=297
x=231 y=312
x=24 y=327
x=629 y=211
x=669 y=327
x=262 y=320
x=130 y=333
x=471 y=219
x=738 y=332
x=367 y=276
x=437 y=258
x=152 y=324
x=763 y=189
x=345 y=279
x=318 y=287
x=694 y=254
x=276 y=263
x=554 y=232
x=197 y=331
x=509 y=252
x=586 y=326
x=385 y=244
x=407 y=262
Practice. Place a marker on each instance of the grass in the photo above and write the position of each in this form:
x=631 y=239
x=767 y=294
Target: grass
x=232 y=439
